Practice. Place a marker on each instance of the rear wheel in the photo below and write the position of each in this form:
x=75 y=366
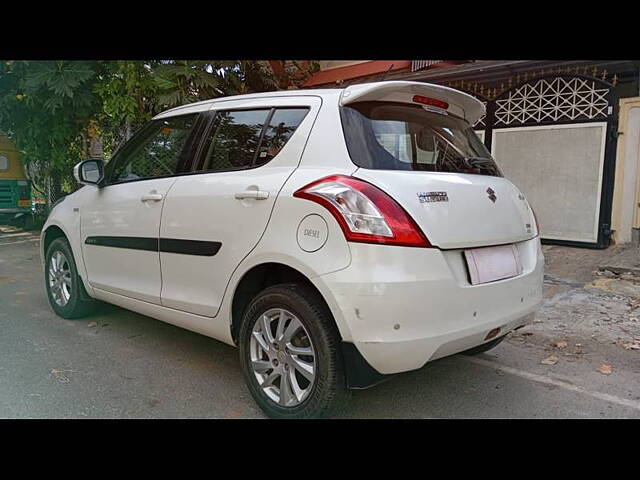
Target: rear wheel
x=290 y=354
x=485 y=347
x=65 y=290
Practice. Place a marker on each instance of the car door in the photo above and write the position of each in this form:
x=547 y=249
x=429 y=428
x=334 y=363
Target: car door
x=120 y=221
x=220 y=213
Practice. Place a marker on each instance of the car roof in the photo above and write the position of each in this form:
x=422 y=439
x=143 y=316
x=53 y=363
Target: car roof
x=318 y=92
x=461 y=103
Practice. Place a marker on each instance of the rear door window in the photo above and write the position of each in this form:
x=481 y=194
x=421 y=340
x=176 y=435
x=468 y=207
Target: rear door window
x=401 y=136
x=283 y=123
x=241 y=139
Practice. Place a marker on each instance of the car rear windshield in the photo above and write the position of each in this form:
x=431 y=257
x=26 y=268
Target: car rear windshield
x=401 y=136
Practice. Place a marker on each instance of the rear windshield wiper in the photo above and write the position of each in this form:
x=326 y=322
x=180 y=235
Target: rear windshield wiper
x=477 y=162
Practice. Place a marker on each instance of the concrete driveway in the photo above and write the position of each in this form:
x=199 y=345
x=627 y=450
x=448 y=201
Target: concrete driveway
x=118 y=364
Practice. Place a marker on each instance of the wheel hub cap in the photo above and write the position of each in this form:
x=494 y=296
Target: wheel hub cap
x=60 y=283
x=282 y=357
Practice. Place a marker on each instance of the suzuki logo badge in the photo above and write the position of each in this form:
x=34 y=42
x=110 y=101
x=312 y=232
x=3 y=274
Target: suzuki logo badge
x=492 y=194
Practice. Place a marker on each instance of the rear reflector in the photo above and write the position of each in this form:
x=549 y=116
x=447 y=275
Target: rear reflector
x=430 y=101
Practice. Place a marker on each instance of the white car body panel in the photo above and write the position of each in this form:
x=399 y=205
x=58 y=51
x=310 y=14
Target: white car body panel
x=204 y=207
x=118 y=210
x=447 y=224
x=400 y=306
x=460 y=103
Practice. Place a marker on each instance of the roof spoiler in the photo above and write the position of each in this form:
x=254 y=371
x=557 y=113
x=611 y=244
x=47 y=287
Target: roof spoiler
x=460 y=103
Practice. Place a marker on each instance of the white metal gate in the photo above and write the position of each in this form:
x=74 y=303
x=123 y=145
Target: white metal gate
x=550 y=136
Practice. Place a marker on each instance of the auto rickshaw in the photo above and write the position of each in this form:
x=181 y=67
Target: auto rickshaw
x=15 y=189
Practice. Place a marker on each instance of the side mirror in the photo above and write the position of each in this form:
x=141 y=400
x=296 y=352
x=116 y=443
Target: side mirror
x=89 y=172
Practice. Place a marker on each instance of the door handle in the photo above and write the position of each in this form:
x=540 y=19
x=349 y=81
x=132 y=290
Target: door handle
x=151 y=197
x=256 y=194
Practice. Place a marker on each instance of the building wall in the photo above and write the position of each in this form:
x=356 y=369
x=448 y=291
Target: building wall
x=329 y=64
x=625 y=215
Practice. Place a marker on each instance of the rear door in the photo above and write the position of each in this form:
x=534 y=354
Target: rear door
x=217 y=215
x=120 y=222
x=435 y=166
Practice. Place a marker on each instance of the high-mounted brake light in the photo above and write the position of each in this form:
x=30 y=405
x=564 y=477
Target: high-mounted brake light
x=365 y=213
x=430 y=101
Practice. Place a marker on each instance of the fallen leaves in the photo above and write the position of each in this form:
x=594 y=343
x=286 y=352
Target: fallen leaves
x=59 y=375
x=550 y=360
x=605 y=369
x=92 y=324
x=635 y=345
x=561 y=344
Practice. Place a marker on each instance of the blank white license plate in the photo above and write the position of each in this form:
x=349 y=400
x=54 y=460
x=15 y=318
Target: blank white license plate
x=489 y=264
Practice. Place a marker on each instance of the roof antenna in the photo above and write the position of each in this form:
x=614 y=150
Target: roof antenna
x=385 y=73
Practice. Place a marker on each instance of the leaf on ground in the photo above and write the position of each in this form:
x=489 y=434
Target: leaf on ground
x=92 y=324
x=59 y=375
x=605 y=369
x=550 y=360
x=561 y=344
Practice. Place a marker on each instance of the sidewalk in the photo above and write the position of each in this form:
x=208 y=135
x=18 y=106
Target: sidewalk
x=589 y=312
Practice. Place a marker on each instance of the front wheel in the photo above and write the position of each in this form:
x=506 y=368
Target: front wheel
x=290 y=354
x=65 y=290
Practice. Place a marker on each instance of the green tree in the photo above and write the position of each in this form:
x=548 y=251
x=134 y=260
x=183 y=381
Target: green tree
x=53 y=109
x=45 y=108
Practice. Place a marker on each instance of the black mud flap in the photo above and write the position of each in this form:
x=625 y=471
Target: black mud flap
x=358 y=372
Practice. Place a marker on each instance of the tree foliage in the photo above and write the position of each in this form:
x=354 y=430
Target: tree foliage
x=51 y=109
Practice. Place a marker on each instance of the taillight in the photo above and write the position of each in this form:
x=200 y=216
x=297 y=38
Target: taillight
x=365 y=213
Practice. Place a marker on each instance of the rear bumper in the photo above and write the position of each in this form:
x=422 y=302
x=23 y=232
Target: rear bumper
x=402 y=307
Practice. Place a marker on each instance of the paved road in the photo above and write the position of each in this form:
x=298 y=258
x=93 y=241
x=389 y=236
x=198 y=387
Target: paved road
x=118 y=364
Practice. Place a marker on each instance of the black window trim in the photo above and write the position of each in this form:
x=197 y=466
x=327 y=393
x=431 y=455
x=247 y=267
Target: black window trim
x=197 y=158
x=206 y=118
x=138 y=137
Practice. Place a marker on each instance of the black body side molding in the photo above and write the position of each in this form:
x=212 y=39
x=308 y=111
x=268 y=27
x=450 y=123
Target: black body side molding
x=166 y=245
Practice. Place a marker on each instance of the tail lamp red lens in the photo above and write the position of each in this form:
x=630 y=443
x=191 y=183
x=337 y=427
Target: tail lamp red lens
x=434 y=102
x=365 y=213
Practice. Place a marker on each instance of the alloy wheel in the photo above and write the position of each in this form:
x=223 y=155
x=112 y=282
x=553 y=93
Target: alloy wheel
x=60 y=282
x=282 y=357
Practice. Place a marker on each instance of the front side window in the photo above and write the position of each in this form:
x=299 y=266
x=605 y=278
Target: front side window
x=401 y=136
x=4 y=163
x=156 y=151
x=243 y=139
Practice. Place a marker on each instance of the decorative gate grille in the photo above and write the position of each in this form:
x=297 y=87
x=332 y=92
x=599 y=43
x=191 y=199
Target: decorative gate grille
x=556 y=99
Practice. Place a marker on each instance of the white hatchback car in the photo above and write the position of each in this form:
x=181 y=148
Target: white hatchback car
x=335 y=236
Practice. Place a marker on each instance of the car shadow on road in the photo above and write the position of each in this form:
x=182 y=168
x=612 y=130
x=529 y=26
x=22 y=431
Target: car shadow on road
x=447 y=388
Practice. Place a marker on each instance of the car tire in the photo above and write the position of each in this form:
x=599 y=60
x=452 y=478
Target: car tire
x=485 y=347
x=65 y=290
x=299 y=322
